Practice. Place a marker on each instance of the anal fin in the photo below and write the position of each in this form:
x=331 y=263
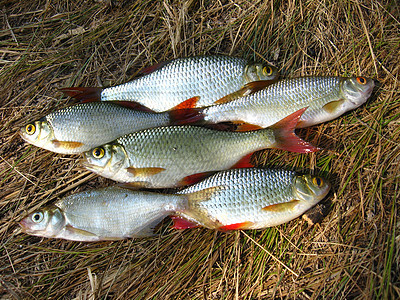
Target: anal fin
x=244 y=162
x=236 y=226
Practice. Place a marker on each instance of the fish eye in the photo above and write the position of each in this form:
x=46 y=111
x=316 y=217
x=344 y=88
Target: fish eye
x=98 y=152
x=30 y=129
x=361 y=80
x=37 y=217
x=267 y=70
x=318 y=181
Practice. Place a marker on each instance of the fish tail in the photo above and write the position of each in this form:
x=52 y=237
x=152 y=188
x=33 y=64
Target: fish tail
x=84 y=94
x=286 y=138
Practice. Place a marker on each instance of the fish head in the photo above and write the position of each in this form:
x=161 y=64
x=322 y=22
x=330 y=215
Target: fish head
x=47 y=222
x=106 y=160
x=356 y=91
x=256 y=72
x=39 y=133
x=310 y=189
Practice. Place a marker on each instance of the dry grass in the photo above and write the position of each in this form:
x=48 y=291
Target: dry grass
x=352 y=254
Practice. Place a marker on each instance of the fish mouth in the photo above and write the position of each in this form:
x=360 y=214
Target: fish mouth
x=24 y=224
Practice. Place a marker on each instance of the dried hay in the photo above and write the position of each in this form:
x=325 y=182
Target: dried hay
x=352 y=254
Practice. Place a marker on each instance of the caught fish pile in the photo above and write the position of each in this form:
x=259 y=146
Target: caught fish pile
x=192 y=122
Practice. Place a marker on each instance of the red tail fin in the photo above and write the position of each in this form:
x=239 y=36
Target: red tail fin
x=84 y=94
x=286 y=139
x=181 y=223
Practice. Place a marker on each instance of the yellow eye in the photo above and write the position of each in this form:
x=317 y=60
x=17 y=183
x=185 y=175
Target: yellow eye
x=37 y=217
x=361 y=80
x=98 y=152
x=30 y=129
x=267 y=70
x=318 y=181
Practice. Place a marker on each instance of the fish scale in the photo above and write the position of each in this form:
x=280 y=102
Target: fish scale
x=209 y=77
x=166 y=156
x=110 y=213
x=325 y=98
x=231 y=199
x=241 y=195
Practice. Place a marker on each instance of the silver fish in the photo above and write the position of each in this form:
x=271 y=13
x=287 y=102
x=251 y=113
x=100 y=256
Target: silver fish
x=81 y=127
x=110 y=213
x=168 y=84
x=174 y=156
x=325 y=97
x=249 y=199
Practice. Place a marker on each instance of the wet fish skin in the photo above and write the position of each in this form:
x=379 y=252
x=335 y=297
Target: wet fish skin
x=209 y=77
x=251 y=198
x=110 y=213
x=81 y=127
x=325 y=97
x=165 y=156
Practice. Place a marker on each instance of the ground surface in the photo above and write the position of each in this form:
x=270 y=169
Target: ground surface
x=352 y=254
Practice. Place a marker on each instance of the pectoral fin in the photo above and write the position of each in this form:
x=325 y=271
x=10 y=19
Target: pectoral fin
x=248 y=89
x=332 y=106
x=203 y=195
x=280 y=207
x=79 y=232
x=66 y=145
x=144 y=172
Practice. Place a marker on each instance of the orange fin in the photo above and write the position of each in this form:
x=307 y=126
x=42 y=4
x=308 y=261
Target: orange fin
x=242 y=126
x=244 y=162
x=84 y=94
x=286 y=139
x=144 y=172
x=243 y=225
x=189 y=103
x=186 y=113
x=248 y=89
x=279 y=207
x=332 y=106
x=181 y=223
x=66 y=145
x=152 y=68
x=191 y=179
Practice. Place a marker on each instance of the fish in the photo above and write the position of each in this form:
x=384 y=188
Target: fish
x=81 y=127
x=326 y=99
x=179 y=155
x=110 y=213
x=165 y=85
x=249 y=198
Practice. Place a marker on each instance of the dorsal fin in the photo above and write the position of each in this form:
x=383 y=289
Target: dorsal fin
x=84 y=94
x=151 y=69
